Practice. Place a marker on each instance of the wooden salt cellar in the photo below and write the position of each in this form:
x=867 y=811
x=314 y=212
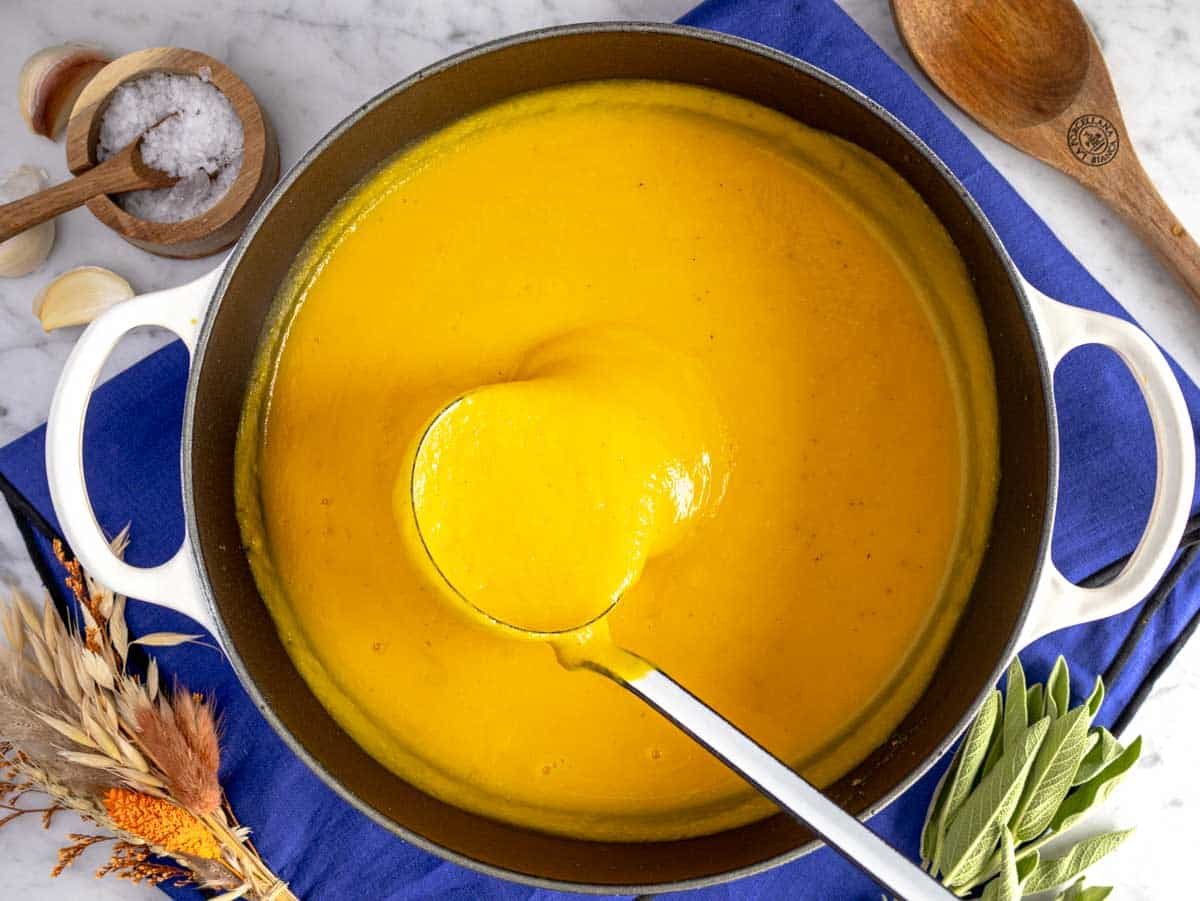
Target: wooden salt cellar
x=217 y=227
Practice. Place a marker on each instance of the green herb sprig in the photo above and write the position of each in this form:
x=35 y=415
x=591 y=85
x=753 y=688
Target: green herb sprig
x=1028 y=769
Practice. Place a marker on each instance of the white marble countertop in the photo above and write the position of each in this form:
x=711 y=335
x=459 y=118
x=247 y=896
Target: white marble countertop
x=312 y=61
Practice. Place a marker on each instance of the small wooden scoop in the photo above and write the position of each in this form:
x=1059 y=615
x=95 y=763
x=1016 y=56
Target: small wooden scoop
x=1031 y=72
x=124 y=172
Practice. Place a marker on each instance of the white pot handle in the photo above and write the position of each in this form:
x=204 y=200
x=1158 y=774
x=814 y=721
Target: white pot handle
x=173 y=584
x=1059 y=602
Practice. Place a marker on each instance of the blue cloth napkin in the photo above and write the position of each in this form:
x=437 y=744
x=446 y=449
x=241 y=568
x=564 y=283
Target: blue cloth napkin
x=327 y=850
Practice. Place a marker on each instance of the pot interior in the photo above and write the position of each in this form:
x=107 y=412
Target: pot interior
x=986 y=634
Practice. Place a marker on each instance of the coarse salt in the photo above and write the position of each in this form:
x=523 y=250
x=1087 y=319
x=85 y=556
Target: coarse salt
x=198 y=138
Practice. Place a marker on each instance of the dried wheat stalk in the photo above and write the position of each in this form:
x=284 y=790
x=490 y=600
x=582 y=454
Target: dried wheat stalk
x=81 y=730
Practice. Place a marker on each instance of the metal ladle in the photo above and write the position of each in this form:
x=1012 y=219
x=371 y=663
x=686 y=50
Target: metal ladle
x=750 y=760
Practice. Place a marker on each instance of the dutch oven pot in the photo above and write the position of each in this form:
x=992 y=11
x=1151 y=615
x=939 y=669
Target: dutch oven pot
x=1018 y=595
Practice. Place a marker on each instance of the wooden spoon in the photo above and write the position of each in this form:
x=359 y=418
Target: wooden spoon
x=126 y=171
x=1031 y=72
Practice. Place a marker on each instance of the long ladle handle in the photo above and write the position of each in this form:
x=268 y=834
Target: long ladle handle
x=853 y=840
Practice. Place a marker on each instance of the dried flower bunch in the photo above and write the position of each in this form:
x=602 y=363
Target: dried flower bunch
x=93 y=738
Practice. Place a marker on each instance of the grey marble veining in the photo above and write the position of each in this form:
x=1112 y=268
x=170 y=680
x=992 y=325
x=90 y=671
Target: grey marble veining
x=312 y=61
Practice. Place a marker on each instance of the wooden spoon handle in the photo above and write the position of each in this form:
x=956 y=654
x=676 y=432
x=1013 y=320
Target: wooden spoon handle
x=110 y=177
x=1125 y=186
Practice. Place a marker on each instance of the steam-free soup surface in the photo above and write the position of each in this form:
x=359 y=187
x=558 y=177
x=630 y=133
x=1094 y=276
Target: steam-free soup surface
x=845 y=402
x=611 y=445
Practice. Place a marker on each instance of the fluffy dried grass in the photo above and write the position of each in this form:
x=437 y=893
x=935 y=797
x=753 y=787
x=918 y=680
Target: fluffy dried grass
x=74 y=723
x=181 y=738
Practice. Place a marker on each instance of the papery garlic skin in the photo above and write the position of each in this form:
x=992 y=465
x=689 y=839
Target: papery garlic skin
x=78 y=296
x=51 y=81
x=23 y=253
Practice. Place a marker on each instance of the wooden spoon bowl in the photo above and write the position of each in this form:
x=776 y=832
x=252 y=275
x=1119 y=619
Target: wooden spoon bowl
x=1031 y=72
x=220 y=225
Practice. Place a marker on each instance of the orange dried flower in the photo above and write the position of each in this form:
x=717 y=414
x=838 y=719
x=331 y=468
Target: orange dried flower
x=160 y=823
x=181 y=737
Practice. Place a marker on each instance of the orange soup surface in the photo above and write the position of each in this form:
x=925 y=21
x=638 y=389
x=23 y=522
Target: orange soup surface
x=715 y=366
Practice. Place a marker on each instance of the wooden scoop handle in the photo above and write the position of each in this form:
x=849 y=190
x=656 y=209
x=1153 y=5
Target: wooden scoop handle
x=1124 y=185
x=1144 y=209
x=123 y=172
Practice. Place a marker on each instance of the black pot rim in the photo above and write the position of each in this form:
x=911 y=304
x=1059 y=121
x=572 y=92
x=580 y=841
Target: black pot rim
x=350 y=121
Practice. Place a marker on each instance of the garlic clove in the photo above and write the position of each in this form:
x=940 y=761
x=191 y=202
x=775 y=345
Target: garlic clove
x=78 y=296
x=23 y=253
x=50 y=82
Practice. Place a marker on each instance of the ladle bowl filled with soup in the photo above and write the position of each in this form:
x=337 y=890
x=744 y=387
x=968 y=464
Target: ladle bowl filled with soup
x=631 y=325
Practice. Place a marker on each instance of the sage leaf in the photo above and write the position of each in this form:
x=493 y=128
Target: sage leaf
x=1050 y=708
x=1078 y=893
x=1104 y=751
x=974 y=830
x=1051 y=873
x=979 y=738
x=1007 y=885
x=1015 y=722
x=958 y=781
x=1035 y=703
x=1093 y=739
x=1058 y=686
x=1096 y=698
x=1026 y=865
x=1051 y=774
x=995 y=747
x=1096 y=789
x=1027 y=861
x=1069 y=894
x=929 y=832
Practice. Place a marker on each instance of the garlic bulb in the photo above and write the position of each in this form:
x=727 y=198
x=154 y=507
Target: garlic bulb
x=78 y=296
x=50 y=82
x=23 y=253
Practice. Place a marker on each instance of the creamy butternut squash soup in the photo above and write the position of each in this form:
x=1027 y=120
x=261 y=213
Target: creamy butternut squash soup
x=709 y=362
x=611 y=444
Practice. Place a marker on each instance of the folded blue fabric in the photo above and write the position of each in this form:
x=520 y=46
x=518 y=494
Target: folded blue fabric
x=326 y=849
